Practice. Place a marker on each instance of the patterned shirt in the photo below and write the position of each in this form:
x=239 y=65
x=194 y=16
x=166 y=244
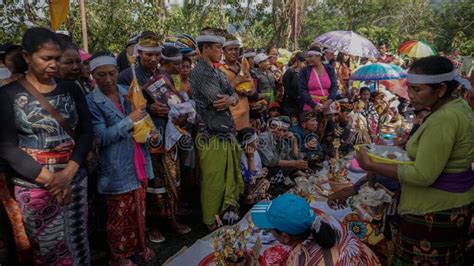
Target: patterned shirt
x=206 y=83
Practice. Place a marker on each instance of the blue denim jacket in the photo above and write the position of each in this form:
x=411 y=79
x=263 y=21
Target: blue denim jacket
x=113 y=133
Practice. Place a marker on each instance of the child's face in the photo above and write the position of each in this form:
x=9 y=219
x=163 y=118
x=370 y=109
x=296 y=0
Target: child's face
x=310 y=125
x=274 y=112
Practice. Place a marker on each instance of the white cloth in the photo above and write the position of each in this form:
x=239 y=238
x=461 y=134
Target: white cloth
x=176 y=109
x=257 y=161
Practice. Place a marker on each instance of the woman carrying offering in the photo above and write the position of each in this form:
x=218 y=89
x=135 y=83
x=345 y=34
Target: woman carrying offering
x=126 y=165
x=437 y=190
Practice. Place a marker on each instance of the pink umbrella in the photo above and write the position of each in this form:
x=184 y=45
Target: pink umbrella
x=397 y=86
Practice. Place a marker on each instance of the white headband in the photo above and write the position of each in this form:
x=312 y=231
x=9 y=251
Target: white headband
x=314 y=53
x=278 y=123
x=249 y=54
x=250 y=140
x=172 y=58
x=138 y=47
x=210 y=38
x=101 y=61
x=316 y=225
x=148 y=48
x=231 y=43
x=429 y=79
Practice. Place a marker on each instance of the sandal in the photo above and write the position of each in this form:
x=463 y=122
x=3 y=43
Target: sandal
x=181 y=228
x=155 y=239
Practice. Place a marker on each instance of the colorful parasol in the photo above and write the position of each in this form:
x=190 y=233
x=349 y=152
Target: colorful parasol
x=416 y=49
x=348 y=42
x=378 y=71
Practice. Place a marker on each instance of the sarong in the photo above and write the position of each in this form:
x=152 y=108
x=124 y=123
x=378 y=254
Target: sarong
x=163 y=191
x=222 y=181
x=58 y=234
x=14 y=215
x=433 y=239
x=126 y=224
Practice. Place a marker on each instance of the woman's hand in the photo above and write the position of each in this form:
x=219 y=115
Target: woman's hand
x=136 y=115
x=62 y=179
x=363 y=159
x=65 y=197
x=44 y=177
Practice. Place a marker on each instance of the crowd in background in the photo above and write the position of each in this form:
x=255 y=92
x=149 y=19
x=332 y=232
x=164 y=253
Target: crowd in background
x=235 y=122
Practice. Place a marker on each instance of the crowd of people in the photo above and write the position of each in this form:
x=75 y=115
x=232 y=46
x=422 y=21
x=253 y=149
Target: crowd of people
x=239 y=124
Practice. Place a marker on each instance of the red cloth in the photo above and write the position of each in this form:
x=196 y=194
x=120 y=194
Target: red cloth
x=126 y=223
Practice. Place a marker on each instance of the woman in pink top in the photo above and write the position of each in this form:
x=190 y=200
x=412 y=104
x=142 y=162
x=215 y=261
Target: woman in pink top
x=317 y=81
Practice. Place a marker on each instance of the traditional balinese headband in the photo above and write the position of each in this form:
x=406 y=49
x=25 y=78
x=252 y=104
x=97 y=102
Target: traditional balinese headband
x=148 y=48
x=172 y=58
x=250 y=140
x=231 y=43
x=249 y=54
x=310 y=53
x=279 y=123
x=210 y=38
x=429 y=79
x=102 y=60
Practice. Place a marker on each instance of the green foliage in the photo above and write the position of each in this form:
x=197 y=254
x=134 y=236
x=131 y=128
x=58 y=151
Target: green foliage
x=445 y=24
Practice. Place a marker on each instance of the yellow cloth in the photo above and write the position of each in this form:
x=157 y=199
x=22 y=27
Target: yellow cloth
x=58 y=10
x=141 y=129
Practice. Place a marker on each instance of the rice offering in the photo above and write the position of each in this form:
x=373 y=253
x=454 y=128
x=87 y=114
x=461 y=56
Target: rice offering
x=389 y=152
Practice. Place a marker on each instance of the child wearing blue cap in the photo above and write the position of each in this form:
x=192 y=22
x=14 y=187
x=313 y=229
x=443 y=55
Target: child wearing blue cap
x=314 y=238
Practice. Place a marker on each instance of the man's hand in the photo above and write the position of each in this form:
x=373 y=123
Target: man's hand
x=224 y=102
x=300 y=164
x=159 y=109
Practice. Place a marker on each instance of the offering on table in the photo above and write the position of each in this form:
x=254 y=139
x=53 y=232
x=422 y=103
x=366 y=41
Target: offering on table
x=230 y=246
x=310 y=188
x=337 y=174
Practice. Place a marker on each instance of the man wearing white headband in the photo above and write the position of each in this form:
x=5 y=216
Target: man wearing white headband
x=279 y=149
x=232 y=69
x=218 y=150
x=148 y=51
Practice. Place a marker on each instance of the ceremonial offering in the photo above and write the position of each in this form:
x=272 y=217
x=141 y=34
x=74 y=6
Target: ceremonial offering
x=337 y=172
x=230 y=247
x=387 y=154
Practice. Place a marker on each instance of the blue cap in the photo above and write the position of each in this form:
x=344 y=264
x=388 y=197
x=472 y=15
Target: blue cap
x=287 y=213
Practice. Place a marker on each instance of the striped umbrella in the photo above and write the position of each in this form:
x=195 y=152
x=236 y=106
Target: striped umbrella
x=416 y=49
x=378 y=71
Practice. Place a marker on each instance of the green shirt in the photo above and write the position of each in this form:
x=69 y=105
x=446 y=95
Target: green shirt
x=444 y=143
